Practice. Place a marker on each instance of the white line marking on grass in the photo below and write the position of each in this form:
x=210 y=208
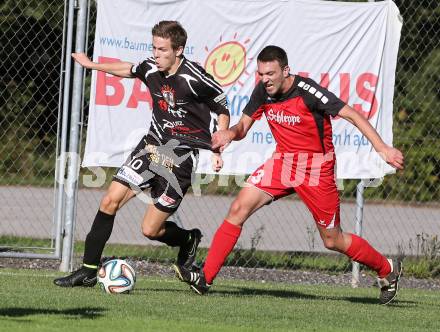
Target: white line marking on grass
x=15 y=274
x=52 y=275
x=166 y=280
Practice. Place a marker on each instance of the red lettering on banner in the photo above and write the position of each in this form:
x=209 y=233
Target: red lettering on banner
x=325 y=80
x=303 y=74
x=103 y=80
x=367 y=95
x=362 y=92
x=344 y=86
x=138 y=95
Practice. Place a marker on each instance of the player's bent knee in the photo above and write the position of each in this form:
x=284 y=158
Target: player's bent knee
x=330 y=243
x=109 y=205
x=238 y=210
x=150 y=232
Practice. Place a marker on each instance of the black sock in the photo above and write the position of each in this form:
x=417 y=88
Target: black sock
x=174 y=236
x=96 y=239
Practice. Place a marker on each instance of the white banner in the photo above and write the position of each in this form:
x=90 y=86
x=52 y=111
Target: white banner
x=349 y=47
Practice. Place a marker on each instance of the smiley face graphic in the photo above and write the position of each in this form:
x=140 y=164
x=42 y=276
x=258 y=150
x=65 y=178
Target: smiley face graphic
x=226 y=62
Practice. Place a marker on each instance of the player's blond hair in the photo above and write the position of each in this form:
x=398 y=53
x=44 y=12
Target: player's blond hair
x=172 y=30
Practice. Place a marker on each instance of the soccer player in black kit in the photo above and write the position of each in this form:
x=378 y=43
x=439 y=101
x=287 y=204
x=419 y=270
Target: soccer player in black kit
x=184 y=98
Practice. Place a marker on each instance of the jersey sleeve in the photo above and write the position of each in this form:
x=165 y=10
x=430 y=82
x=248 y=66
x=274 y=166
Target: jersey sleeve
x=143 y=69
x=254 y=107
x=319 y=99
x=208 y=90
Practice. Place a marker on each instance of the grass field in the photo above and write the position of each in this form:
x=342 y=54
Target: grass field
x=29 y=302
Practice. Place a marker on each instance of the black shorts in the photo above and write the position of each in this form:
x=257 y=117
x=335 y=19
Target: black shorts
x=165 y=170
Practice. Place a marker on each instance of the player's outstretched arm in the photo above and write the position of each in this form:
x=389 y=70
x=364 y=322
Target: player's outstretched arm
x=221 y=138
x=121 y=68
x=391 y=155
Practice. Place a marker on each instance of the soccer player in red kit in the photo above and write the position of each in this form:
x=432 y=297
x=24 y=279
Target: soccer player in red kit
x=298 y=112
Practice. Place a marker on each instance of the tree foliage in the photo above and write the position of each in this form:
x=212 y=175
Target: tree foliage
x=30 y=76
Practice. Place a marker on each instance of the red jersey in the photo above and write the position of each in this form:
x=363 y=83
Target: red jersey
x=300 y=118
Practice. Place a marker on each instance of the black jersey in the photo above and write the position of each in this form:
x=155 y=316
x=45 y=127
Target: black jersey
x=183 y=103
x=300 y=118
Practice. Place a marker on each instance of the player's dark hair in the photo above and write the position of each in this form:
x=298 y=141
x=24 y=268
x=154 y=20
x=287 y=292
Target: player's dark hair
x=172 y=30
x=273 y=53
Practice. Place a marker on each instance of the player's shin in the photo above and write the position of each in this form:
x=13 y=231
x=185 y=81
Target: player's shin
x=362 y=252
x=97 y=238
x=222 y=244
x=174 y=236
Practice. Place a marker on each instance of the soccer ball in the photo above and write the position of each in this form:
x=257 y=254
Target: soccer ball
x=116 y=276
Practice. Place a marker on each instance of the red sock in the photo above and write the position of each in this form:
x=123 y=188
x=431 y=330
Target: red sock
x=362 y=252
x=222 y=244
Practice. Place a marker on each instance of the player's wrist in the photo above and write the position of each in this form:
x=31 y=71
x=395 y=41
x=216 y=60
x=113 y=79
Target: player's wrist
x=381 y=147
x=231 y=135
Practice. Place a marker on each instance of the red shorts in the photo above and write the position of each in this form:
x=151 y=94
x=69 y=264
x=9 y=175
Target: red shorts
x=310 y=175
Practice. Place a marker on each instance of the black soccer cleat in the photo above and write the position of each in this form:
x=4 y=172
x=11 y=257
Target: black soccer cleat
x=390 y=284
x=84 y=276
x=187 y=252
x=195 y=279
